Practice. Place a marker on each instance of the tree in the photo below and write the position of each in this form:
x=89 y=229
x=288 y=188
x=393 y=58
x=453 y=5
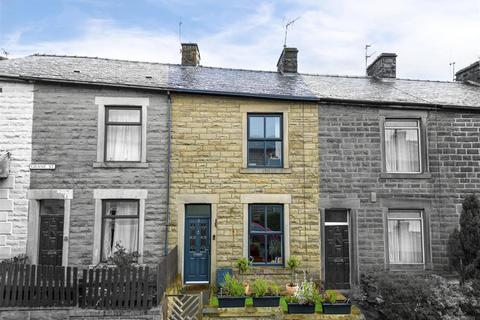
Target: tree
x=464 y=244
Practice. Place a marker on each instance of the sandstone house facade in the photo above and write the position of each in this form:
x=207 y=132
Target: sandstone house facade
x=345 y=173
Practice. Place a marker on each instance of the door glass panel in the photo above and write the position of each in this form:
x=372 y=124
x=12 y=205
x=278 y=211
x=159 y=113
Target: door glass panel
x=257 y=223
x=274 y=220
x=274 y=254
x=332 y=215
x=257 y=248
x=203 y=237
x=256 y=127
x=192 y=236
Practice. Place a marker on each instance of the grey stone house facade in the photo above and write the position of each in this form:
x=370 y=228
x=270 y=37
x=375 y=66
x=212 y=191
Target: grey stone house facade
x=395 y=158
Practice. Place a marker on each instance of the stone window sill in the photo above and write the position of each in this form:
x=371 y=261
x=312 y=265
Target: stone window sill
x=120 y=165
x=266 y=170
x=409 y=267
x=387 y=175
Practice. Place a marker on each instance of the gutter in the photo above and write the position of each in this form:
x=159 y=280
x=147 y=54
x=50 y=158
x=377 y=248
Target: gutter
x=169 y=154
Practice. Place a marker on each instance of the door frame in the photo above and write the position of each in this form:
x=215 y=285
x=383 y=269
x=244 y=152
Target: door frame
x=181 y=201
x=351 y=205
x=210 y=250
x=33 y=238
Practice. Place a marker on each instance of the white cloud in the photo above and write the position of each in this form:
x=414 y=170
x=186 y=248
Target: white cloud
x=330 y=36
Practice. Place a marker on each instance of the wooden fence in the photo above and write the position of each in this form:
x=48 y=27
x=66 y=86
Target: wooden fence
x=33 y=286
x=23 y=285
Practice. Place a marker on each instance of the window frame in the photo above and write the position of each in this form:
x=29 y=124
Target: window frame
x=112 y=123
x=266 y=233
x=265 y=140
x=422 y=229
x=105 y=217
x=419 y=137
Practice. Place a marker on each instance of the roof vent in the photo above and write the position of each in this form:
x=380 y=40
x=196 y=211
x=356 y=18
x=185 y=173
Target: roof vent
x=287 y=63
x=470 y=73
x=384 y=66
x=190 y=54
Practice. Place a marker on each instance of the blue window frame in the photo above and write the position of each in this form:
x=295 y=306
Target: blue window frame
x=265 y=234
x=265 y=140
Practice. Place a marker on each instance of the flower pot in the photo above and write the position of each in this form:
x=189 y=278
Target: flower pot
x=290 y=289
x=231 y=302
x=266 y=301
x=336 y=308
x=301 y=308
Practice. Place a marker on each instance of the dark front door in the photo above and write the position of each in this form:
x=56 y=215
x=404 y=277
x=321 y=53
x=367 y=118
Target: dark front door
x=51 y=232
x=337 y=256
x=197 y=246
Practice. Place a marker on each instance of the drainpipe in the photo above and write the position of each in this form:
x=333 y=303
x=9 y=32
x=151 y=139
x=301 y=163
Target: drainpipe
x=169 y=144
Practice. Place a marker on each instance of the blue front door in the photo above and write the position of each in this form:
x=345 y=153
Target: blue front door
x=197 y=249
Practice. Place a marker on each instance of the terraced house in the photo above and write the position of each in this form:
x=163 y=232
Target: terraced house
x=345 y=173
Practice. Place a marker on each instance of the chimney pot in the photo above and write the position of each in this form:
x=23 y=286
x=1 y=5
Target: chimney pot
x=470 y=73
x=287 y=63
x=190 y=54
x=384 y=66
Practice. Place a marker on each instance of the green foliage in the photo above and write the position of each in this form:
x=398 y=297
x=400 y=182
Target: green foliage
x=419 y=297
x=331 y=296
x=242 y=264
x=232 y=287
x=262 y=288
x=123 y=259
x=307 y=293
x=292 y=264
x=21 y=258
x=464 y=244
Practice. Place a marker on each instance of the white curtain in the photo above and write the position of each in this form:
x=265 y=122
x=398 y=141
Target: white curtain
x=122 y=231
x=124 y=142
x=401 y=150
x=405 y=241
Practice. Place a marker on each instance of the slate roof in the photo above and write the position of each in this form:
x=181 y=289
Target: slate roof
x=238 y=81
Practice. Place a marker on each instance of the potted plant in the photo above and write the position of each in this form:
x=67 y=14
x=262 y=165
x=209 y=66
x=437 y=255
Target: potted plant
x=304 y=299
x=332 y=305
x=292 y=264
x=243 y=264
x=232 y=293
x=265 y=294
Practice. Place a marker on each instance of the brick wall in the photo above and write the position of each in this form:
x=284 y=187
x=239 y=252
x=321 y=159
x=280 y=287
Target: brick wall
x=351 y=163
x=65 y=133
x=16 y=108
x=207 y=159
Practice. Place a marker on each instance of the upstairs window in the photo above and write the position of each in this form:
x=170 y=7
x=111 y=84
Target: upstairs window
x=265 y=141
x=402 y=146
x=123 y=134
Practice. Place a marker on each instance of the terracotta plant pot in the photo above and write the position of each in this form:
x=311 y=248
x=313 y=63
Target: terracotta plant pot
x=290 y=289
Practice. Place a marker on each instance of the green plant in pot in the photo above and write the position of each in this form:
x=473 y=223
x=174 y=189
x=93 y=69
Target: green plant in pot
x=243 y=265
x=265 y=293
x=332 y=303
x=304 y=299
x=292 y=264
x=232 y=293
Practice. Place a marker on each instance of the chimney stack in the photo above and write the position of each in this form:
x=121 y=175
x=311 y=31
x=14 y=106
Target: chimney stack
x=470 y=73
x=384 y=66
x=287 y=63
x=190 y=54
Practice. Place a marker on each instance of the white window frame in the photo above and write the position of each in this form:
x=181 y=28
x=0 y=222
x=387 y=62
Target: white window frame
x=422 y=229
x=119 y=102
x=111 y=194
x=33 y=237
x=419 y=137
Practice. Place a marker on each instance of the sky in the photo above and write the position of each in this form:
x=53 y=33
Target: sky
x=427 y=35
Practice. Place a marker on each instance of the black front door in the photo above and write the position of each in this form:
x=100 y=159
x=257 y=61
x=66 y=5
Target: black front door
x=197 y=248
x=51 y=232
x=337 y=251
